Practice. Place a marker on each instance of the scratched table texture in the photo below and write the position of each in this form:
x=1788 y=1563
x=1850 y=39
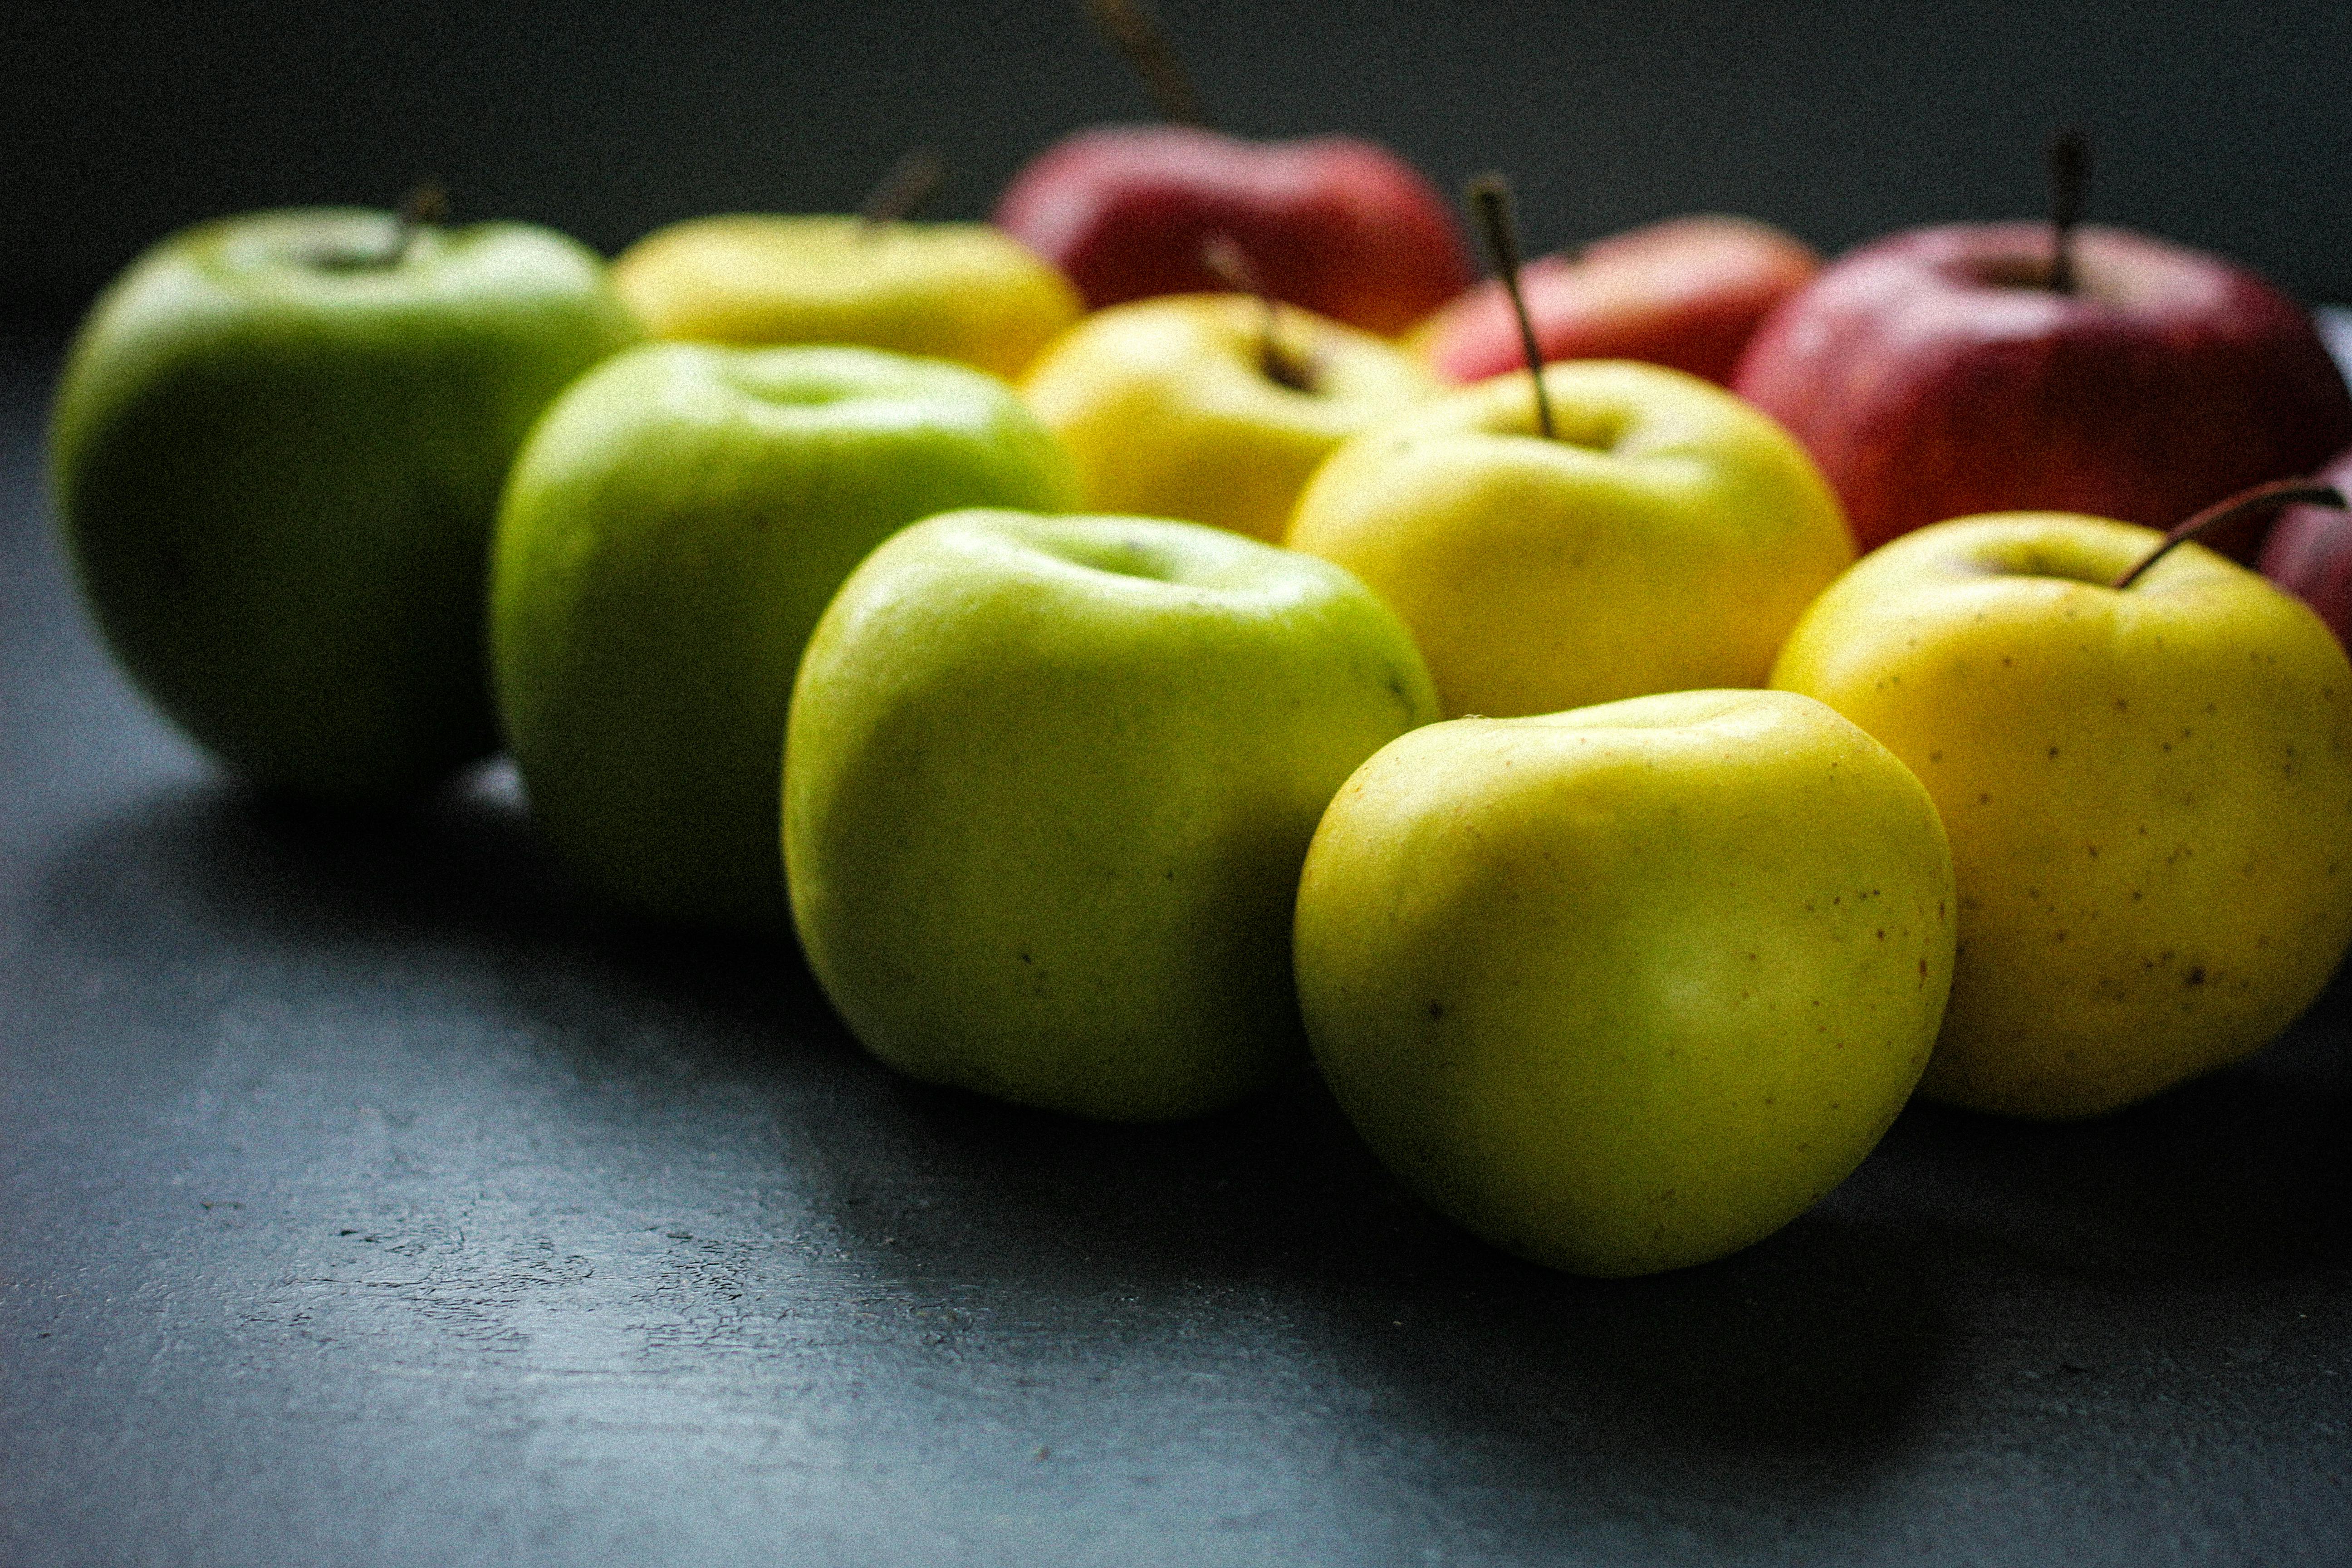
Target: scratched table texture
x=365 y=1197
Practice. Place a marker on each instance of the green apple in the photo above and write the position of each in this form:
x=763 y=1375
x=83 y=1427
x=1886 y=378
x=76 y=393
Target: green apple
x=1666 y=540
x=1175 y=407
x=2148 y=793
x=277 y=452
x=964 y=292
x=1048 y=786
x=673 y=529
x=1630 y=987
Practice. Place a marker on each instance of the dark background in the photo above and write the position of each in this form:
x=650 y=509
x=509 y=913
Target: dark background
x=365 y=1198
x=2224 y=125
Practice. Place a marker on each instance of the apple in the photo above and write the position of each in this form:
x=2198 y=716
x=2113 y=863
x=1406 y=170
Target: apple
x=276 y=453
x=1667 y=539
x=1601 y=987
x=1047 y=785
x=1184 y=407
x=1935 y=373
x=1334 y=224
x=2308 y=552
x=1687 y=293
x=673 y=529
x=962 y=292
x=2148 y=793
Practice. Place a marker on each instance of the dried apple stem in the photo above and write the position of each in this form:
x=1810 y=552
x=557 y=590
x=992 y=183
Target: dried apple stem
x=1226 y=257
x=1489 y=197
x=2261 y=498
x=913 y=180
x=2070 y=174
x=1152 y=55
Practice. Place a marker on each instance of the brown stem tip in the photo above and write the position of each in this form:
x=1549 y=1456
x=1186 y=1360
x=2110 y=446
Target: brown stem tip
x=1152 y=55
x=2261 y=498
x=1489 y=198
x=913 y=180
x=2069 y=174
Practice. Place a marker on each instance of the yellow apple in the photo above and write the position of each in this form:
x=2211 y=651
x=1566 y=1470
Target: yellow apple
x=1666 y=540
x=1627 y=988
x=1168 y=408
x=2148 y=794
x=964 y=291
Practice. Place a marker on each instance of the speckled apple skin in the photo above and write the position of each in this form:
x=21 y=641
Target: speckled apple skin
x=2149 y=794
x=1931 y=377
x=1627 y=988
x=1047 y=790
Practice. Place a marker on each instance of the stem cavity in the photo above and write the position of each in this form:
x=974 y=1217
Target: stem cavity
x=1225 y=257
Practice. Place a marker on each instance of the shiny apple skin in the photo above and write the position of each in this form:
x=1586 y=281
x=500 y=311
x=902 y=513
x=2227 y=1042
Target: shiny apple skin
x=1931 y=375
x=2308 y=551
x=1686 y=293
x=1336 y=224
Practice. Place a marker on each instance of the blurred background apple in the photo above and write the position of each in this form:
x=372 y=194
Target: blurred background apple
x=131 y=119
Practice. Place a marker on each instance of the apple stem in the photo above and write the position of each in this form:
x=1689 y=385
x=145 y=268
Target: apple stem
x=1152 y=55
x=1223 y=256
x=913 y=180
x=1489 y=197
x=2261 y=498
x=2070 y=174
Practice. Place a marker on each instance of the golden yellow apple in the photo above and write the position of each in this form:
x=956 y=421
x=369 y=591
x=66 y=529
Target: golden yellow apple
x=1627 y=988
x=2148 y=794
x=1170 y=408
x=1664 y=538
x=964 y=291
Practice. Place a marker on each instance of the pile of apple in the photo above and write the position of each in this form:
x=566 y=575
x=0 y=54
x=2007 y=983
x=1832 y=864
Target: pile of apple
x=1158 y=678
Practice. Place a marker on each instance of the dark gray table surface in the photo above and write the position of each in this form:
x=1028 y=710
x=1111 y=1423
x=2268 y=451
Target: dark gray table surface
x=365 y=1198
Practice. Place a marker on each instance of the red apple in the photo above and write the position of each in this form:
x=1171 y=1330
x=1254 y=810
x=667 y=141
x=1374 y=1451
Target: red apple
x=1332 y=223
x=2309 y=553
x=1935 y=373
x=1687 y=293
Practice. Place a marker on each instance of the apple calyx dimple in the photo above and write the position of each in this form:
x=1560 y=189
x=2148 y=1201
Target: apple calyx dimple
x=1489 y=197
x=2269 y=497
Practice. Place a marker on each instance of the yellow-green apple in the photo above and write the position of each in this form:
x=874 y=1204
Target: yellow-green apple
x=1047 y=785
x=1666 y=540
x=276 y=451
x=673 y=529
x=1334 y=224
x=2308 y=552
x=1629 y=987
x=1176 y=408
x=1937 y=373
x=964 y=291
x=2148 y=793
x=1687 y=293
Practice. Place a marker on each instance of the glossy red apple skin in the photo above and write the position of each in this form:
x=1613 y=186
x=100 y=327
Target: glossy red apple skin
x=1687 y=293
x=1333 y=223
x=2309 y=552
x=1932 y=374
